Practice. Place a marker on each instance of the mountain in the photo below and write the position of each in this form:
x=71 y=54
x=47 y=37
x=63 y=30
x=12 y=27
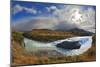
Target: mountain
x=77 y=30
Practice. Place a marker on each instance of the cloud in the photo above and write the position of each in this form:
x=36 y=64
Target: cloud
x=41 y=23
x=18 y=8
x=51 y=8
x=68 y=17
x=83 y=18
x=36 y=23
x=30 y=10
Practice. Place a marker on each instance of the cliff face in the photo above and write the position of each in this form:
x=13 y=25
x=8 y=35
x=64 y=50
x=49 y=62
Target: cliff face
x=46 y=35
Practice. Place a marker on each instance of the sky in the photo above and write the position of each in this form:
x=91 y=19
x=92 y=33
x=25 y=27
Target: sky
x=34 y=15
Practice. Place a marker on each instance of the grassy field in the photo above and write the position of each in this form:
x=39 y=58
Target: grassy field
x=46 y=35
x=22 y=57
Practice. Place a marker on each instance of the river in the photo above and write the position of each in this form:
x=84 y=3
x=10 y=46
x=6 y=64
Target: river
x=35 y=46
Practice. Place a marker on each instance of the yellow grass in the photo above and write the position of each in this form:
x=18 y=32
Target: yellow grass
x=21 y=57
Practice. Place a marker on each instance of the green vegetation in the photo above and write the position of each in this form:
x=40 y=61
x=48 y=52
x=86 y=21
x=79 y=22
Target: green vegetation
x=17 y=36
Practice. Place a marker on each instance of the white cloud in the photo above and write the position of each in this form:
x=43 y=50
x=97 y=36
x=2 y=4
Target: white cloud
x=36 y=23
x=30 y=10
x=18 y=8
x=41 y=23
x=76 y=15
x=69 y=17
x=51 y=8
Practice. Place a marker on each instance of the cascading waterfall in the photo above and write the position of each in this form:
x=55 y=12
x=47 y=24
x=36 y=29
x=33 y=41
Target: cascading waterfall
x=84 y=41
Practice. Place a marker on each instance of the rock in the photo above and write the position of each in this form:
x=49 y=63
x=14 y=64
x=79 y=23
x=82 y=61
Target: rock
x=69 y=45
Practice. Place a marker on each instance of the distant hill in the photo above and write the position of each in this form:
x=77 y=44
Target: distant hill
x=41 y=30
x=75 y=30
x=47 y=35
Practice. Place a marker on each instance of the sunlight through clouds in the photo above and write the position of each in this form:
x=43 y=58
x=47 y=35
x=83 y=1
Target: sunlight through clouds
x=84 y=18
x=56 y=17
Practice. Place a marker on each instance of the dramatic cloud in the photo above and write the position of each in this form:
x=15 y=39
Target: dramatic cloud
x=84 y=18
x=18 y=8
x=36 y=23
x=42 y=23
x=68 y=17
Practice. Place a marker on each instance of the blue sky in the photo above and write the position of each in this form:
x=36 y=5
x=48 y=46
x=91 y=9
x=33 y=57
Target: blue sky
x=57 y=16
x=37 y=6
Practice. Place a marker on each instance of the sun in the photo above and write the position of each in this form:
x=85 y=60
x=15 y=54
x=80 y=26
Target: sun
x=76 y=17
